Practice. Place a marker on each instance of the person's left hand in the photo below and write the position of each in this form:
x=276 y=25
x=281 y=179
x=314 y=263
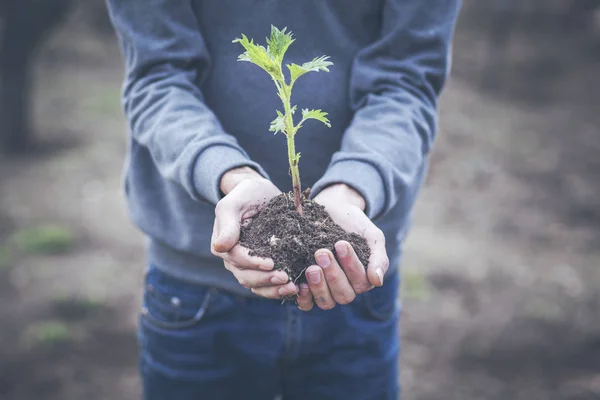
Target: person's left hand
x=330 y=282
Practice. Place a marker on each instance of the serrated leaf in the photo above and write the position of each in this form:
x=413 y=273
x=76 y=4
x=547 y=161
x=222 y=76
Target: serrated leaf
x=315 y=114
x=278 y=124
x=258 y=55
x=318 y=64
x=244 y=57
x=279 y=42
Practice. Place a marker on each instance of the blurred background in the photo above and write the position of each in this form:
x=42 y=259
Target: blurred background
x=502 y=270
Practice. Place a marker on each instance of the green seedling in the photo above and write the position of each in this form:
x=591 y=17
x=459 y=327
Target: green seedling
x=270 y=59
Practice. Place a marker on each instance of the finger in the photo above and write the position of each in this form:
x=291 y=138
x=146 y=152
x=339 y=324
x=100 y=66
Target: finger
x=355 y=271
x=240 y=257
x=339 y=286
x=276 y=292
x=250 y=278
x=305 y=299
x=379 y=261
x=226 y=230
x=318 y=287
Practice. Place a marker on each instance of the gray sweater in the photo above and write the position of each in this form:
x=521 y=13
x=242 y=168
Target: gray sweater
x=194 y=112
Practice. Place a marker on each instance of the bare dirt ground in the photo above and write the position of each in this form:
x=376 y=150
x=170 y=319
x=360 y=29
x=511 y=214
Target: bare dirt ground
x=501 y=269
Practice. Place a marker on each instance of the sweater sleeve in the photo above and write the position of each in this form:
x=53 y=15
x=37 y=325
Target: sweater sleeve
x=166 y=60
x=394 y=86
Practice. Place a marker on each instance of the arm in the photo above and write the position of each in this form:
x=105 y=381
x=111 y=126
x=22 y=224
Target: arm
x=166 y=60
x=394 y=88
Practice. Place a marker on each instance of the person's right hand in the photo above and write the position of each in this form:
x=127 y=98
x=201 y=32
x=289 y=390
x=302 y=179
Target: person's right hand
x=246 y=192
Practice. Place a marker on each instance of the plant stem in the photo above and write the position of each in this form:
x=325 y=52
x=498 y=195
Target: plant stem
x=290 y=131
x=295 y=173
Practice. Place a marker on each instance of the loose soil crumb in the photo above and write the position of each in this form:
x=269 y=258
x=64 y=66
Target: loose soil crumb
x=291 y=239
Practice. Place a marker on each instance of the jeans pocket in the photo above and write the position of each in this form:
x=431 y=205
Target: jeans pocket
x=383 y=303
x=172 y=304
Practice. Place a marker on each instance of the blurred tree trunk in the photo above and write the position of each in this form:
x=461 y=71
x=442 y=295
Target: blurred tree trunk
x=27 y=23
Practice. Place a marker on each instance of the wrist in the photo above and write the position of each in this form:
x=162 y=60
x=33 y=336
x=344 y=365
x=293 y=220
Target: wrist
x=345 y=194
x=233 y=177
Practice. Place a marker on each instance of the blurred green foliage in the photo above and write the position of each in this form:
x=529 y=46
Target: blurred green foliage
x=46 y=239
x=47 y=333
x=5 y=257
x=415 y=286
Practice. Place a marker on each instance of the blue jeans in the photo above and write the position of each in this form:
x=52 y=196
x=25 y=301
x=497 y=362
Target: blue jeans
x=203 y=343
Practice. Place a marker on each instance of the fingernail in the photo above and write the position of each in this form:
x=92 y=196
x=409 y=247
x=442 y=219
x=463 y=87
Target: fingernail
x=314 y=277
x=323 y=260
x=304 y=287
x=342 y=249
x=278 y=280
x=265 y=267
x=379 y=273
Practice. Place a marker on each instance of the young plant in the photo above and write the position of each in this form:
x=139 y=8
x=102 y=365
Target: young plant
x=271 y=59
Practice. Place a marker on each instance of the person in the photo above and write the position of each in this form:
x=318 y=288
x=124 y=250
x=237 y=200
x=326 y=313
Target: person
x=201 y=159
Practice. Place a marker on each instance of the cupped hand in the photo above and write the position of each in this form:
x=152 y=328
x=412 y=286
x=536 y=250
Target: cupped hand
x=337 y=280
x=245 y=193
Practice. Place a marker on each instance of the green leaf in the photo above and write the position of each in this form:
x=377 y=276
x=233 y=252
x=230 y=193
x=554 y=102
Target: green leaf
x=278 y=124
x=315 y=114
x=279 y=42
x=318 y=64
x=258 y=55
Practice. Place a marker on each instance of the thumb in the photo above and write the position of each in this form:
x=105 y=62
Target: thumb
x=379 y=261
x=226 y=231
x=375 y=273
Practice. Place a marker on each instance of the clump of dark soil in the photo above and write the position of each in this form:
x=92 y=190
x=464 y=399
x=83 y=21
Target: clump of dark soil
x=291 y=240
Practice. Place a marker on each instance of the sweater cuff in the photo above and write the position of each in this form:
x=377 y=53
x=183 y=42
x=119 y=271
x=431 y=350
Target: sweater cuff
x=211 y=165
x=362 y=177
